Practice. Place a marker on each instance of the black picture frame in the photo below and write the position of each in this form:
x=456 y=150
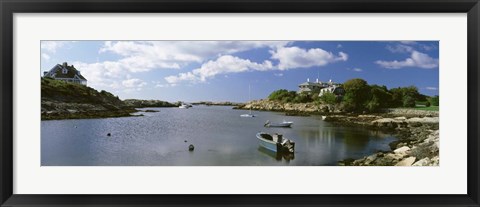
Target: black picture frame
x=10 y=7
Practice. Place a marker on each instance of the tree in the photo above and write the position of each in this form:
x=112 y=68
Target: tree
x=357 y=93
x=435 y=100
x=403 y=96
x=373 y=105
x=302 y=98
x=382 y=96
x=282 y=95
x=328 y=98
x=408 y=101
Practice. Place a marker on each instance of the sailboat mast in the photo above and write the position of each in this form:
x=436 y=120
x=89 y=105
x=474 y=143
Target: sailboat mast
x=249 y=98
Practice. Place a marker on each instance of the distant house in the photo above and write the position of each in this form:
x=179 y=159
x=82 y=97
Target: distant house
x=310 y=87
x=334 y=88
x=67 y=73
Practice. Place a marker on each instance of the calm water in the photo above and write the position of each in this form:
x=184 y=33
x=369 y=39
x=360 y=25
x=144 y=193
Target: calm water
x=219 y=134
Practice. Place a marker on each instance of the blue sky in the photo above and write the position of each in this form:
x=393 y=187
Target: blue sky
x=223 y=70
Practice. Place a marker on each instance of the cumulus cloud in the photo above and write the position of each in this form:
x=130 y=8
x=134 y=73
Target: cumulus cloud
x=399 y=48
x=417 y=59
x=223 y=65
x=295 y=57
x=288 y=58
x=52 y=46
x=216 y=58
x=176 y=54
x=45 y=56
x=133 y=83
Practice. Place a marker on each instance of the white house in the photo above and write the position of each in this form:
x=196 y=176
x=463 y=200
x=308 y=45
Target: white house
x=66 y=73
x=310 y=87
x=335 y=89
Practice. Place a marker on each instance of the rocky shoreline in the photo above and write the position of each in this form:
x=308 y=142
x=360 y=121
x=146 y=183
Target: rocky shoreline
x=417 y=131
x=59 y=110
x=291 y=108
x=417 y=144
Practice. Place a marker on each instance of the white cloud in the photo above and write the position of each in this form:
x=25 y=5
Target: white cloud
x=400 y=48
x=431 y=88
x=45 y=56
x=52 y=46
x=144 y=56
x=357 y=69
x=339 y=46
x=176 y=54
x=288 y=57
x=408 y=42
x=295 y=57
x=133 y=83
x=417 y=59
x=223 y=65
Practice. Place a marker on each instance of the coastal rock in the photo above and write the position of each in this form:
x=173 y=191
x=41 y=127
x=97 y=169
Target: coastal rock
x=402 y=150
x=422 y=162
x=370 y=159
x=427 y=120
x=406 y=162
x=411 y=112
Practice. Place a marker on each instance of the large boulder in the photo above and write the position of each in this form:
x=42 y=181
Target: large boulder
x=402 y=150
x=406 y=162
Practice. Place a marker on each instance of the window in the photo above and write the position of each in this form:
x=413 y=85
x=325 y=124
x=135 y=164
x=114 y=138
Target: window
x=64 y=71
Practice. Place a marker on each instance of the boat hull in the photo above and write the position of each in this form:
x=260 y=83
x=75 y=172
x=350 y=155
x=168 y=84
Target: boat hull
x=275 y=146
x=269 y=145
x=279 y=125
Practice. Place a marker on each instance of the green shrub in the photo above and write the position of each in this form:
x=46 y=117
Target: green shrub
x=328 y=98
x=435 y=100
x=408 y=101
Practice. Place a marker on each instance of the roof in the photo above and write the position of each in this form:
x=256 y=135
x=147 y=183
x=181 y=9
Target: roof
x=58 y=71
x=310 y=84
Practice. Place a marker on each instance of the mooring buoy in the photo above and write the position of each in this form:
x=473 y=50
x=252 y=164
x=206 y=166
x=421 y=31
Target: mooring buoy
x=191 y=147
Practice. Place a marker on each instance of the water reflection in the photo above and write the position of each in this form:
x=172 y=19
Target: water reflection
x=276 y=155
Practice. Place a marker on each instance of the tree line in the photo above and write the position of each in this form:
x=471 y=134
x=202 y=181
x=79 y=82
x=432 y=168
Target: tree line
x=361 y=97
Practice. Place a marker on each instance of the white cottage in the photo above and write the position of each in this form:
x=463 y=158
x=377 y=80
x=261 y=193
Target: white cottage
x=67 y=73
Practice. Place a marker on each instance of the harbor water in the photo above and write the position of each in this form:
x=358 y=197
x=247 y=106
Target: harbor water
x=220 y=137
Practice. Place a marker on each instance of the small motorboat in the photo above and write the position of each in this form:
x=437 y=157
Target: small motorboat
x=281 y=124
x=247 y=115
x=276 y=142
x=184 y=106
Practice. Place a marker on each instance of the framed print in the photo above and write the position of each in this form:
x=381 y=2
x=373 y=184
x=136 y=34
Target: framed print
x=197 y=103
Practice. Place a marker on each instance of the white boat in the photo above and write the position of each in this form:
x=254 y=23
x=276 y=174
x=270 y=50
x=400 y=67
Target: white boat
x=324 y=117
x=184 y=106
x=276 y=142
x=281 y=124
x=249 y=115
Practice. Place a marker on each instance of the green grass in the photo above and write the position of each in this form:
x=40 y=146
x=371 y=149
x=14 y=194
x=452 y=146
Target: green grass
x=430 y=108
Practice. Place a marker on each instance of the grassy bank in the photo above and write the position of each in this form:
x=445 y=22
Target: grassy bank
x=62 y=100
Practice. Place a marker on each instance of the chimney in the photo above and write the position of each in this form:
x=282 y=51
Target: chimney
x=65 y=64
x=308 y=79
x=317 y=80
x=45 y=73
